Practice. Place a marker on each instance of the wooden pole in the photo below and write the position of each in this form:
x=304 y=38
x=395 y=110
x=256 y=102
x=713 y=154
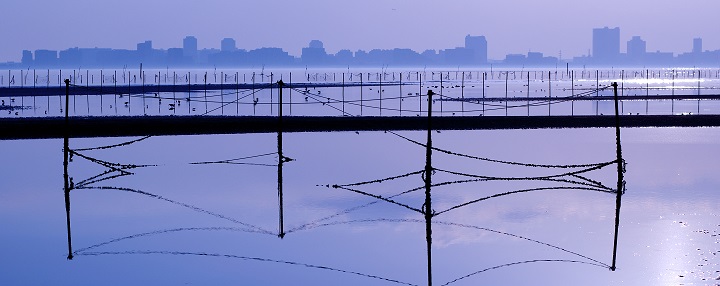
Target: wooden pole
x=462 y=93
x=427 y=206
x=507 y=75
x=621 y=180
x=66 y=151
x=281 y=159
x=528 y=93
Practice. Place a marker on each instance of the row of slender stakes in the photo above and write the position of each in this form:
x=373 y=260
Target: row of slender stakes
x=582 y=74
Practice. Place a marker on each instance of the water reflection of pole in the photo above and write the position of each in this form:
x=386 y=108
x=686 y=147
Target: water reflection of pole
x=281 y=159
x=621 y=181
x=66 y=150
x=427 y=206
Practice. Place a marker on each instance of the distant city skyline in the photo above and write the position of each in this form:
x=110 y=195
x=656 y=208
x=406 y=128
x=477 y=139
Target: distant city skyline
x=606 y=45
x=513 y=26
x=606 y=51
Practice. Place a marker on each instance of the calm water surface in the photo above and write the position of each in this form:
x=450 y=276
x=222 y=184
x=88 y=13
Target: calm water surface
x=669 y=220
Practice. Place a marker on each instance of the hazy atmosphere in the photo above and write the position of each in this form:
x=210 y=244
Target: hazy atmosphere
x=359 y=143
x=512 y=26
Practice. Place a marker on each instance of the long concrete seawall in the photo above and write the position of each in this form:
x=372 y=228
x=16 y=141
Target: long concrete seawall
x=54 y=127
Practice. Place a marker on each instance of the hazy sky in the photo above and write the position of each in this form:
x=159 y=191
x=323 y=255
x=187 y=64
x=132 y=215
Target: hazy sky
x=511 y=26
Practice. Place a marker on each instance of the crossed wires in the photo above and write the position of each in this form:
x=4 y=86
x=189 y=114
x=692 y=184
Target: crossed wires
x=577 y=179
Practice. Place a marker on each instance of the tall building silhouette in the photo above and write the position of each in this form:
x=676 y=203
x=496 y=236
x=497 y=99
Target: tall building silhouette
x=478 y=46
x=46 y=57
x=227 y=45
x=636 y=47
x=697 y=46
x=190 y=46
x=144 y=47
x=606 y=44
x=314 y=53
x=27 y=57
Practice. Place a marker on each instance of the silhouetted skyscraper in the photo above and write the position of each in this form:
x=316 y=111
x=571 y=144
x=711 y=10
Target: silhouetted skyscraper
x=227 y=45
x=606 y=44
x=636 y=47
x=314 y=53
x=478 y=45
x=316 y=44
x=190 y=46
x=697 y=45
x=46 y=57
x=27 y=57
x=144 y=47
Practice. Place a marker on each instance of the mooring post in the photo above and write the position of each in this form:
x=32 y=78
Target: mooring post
x=549 y=91
x=427 y=206
x=382 y=73
x=462 y=94
x=66 y=150
x=281 y=159
x=441 y=91
x=507 y=74
x=401 y=94
x=483 y=92
x=528 y=93
x=361 y=94
x=572 y=93
x=672 y=98
x=597 y=92
x=698 y=91
x=142 y=81
x=420 y=91
x=129 y=93
x=621 y=180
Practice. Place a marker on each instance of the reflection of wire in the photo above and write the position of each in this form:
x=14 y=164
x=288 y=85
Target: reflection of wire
x=197 y=209
x=387 y=199
x=517 y=192
x=553 y=178
x=234 y=161
x=113 y=146
x=384 y=179
x=146 y=252
x=120 y=170
x=524 y=262
x=501 y=161
x=407 y=220
x=164 y=231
